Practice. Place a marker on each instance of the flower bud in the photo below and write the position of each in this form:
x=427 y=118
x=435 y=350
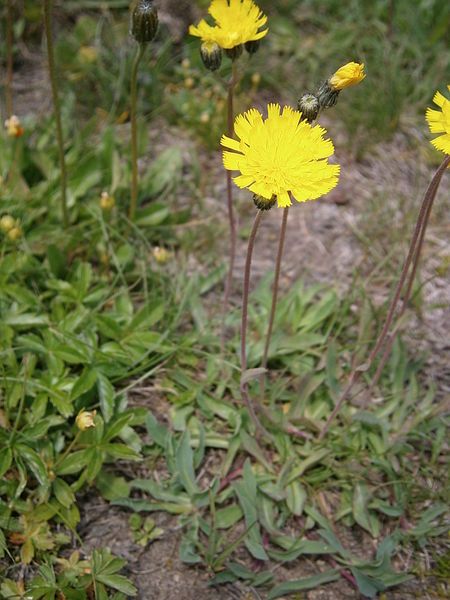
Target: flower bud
x=326 y=96
x=252 y=46
x=14 y=127
x=161 y=255
x=15 y=233
x=264 y=203
x=235 y=52
x=309 y=106
x=144 y=21
x=211 y=54
x=350 y=74
x=7 y=223
x=85 y=419
x=107 y=202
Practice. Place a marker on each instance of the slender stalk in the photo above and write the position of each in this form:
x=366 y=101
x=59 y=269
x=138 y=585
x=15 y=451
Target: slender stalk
x=244 y=324
x=22 y=400
x=56 y=107
x=230 y=208
x=9 y=58
x=412 y=257
x=407 y=295
x=134 y=151
x=276 y=285
x=68 y=449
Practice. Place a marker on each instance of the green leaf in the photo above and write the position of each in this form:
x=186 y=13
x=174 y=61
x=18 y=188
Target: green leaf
x=112 y=487
x=298 y=585
x=118 y=582
x=84 y=383
x=34 y=462
x=227 y=517
x=73 y=463
x=6 y=456
x=296 y=498
x=158 y=432
x=63 y=492
x=107 y=395
x=185 y=465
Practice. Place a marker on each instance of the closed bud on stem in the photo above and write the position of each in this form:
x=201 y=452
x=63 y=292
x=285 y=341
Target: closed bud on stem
x=264 y=203
x=235 y=52
x=309 y=106
x=252 y=46
x=144 y=21
x=85 y=419
x=7 y=223
x=326 y=96
x=211 y=54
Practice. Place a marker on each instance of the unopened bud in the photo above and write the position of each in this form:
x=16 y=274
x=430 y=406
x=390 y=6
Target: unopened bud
x=326 y=96
x=15 y=233
x=144 y=21
x=107 y=202
x=211 y=54
x=7 y=223
x=252 y=46
x=309 y=106
x=85 y=419
x=235 y=52
x=264 y=203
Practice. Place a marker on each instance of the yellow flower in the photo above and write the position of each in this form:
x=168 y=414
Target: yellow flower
x=236 y=22
x=350 y=74
x=14 y=127
x=280 y=156
x=15 y=233
x=85 y=419
x=439 y=122
x=87 y=54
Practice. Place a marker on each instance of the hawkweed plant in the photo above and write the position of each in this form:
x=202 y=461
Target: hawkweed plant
x=309 y=106
x=238 y=24
x=439 y=122
x=144 y=25
x=48 y=5
x=279 y=158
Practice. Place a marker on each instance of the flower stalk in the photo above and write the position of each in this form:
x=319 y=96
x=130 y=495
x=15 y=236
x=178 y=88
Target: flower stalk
x=230 y=208
x=57 y=108
x=9 y=58
x=244 y=326
x=134 y=149
x=412 y=258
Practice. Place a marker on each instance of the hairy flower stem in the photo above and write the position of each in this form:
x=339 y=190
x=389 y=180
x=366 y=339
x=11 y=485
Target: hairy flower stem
x=56 y=107
x=276 y=285
x=244 y=324
x=230 y=208
x=9 y=58
x=134 y=151
x=432 y=190
x=412 y=257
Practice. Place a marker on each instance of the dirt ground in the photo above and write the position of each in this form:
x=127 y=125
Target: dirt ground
x=322 y=245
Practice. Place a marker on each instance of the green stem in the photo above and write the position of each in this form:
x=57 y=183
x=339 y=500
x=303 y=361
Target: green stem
x=230 y=208
x=68 y=449
x=56 y=108
x=22 y=401
x=134 y=149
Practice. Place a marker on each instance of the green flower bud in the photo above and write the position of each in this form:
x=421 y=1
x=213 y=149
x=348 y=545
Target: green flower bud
x=326 y=96
x=252 y=46
x=235 y=52
x=263 y=203
x=309 y=106
x=144 y=21
x=211 y=54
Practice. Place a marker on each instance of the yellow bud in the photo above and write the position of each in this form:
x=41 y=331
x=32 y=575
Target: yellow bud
x=204 y=117
x=185 y=63
x=350 y=74
x=256 y=79
x=14 y=127
x=7 y=223
x=161 y=255
x=85 y=419
x=15 y=233
x=107 y=202
x=189 y=83
x=87 y=54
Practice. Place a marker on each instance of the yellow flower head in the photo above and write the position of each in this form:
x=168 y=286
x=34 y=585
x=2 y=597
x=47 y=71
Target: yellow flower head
x=236 y=22
x=107 y=201
x=280 y=155
x=85 y=419
x=7 y=223
x=350 y=74
x=439 y=122
x=14 y=127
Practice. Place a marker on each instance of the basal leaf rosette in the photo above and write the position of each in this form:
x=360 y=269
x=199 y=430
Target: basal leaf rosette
x=236 y=22
x=439 y=122
x=280 y=156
